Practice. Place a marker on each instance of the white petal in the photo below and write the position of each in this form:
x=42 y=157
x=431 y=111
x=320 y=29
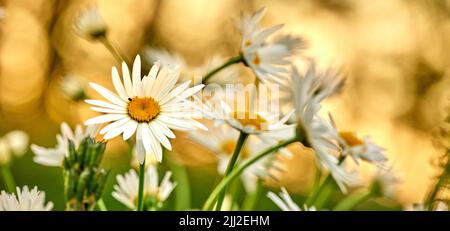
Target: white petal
x=140 y=148
x=103 y=104
x=170 y=81
x=136 y=73
x=108 y=110
x=150 y=143
x=118 y=84
x=115 y=132
x=166 y=130
x=127 y=80
x=158 y=85
x=130 y=129
x=160 y=136
x=176 y=91
x=107 y=94
x=114 y=125
x=151 y=79
x=105 y=118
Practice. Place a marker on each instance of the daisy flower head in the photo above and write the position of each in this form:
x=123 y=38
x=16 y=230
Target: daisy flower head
x=25 y=200
x=247 y=112
x=360 y=148
x=149 y=107
x=385 y=183
x=13 y=143
x=315 y=131
x=222 y=140
x=72 y=88
x=126 y=189
x=301 y=88
x=285 y=202
x=90 y=24
x=55 y=156
x=164 y=57
x=267 y=59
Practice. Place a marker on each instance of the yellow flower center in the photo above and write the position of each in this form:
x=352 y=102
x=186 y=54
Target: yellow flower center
x=351 y=138
x=143 y=109
x=250 y=119
x=248 y=43
x=228 y=147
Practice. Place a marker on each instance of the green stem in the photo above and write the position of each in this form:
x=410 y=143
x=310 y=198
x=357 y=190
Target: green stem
x=231 y=61
x=8 y=178
x=252 y=198
x=182 y=191
x=320 y=191
x=113 y=50
x=226 y=180
x=240 y=143
x=352 y=201
x=141 y=186
x=101 y=205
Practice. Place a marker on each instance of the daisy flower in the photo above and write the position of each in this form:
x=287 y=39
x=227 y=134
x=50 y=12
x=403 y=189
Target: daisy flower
x=222 y=140
x=385 y=183
x=126 y=189
x=285 y=202
x=268 y=60
x=55 y=156
x=317 y=133
x=360 y=148
x=245 y=113
x=315 y=84
x=26 y=200
x=164 y=57
x=90 y=24
x=72 y=88
x=13 y=143
x=148 y=107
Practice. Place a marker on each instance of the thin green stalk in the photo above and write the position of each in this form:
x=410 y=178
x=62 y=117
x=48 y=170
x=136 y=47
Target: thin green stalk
x=352 y=201
x=113 y=50
x=182 y=191
x=141 y=186
x=235 y=173
x=101 y=205
x=8 y=178
x=231 y=61
x=320 y=191
x=252 y=198
x=237 y=150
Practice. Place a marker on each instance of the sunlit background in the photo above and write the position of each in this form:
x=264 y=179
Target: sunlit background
x=394 y=54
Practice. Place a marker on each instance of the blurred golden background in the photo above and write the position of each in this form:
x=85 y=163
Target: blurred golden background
x=394 y=53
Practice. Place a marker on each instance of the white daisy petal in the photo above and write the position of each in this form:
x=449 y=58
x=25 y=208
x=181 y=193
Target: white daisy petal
x=104 y=119
x=104 y=104
x=160 y=136
x=114 y=125
x=118 y=84
x=127 y=80
x=136 y=73
x=130 y=129
x=108 y=110
x=107 y=94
